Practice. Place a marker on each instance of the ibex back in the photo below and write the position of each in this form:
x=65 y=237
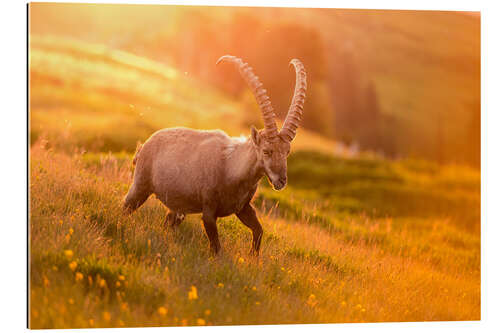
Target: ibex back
x=208 y=172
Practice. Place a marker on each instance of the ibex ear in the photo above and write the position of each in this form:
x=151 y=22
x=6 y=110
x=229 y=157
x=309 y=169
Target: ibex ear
x=255 y=136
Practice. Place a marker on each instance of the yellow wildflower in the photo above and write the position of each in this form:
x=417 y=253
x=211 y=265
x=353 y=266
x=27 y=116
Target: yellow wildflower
x=71 y=231
x=102 y=283
x=193 y=293
x=78 y=276
x=207 y=312
x=121 y=278
x=200 y=321
x=162 y=311
x=343 y=303
x=106 y=316
x=72 y=265
x=311 y=301
x=46 y=281
x=68 y=254
x=118 y=284
x=124 y=307
x=254 y=288
x=91 y=322
x=90 y=280
x=71 y=301
x=257 y=303
x=220 y=285
x=241 y=260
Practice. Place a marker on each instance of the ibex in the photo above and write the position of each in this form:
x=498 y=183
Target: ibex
x=195 y=171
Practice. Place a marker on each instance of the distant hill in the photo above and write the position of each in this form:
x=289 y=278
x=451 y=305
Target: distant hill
x=420 y=69
x=425 y=67
x=99 y=98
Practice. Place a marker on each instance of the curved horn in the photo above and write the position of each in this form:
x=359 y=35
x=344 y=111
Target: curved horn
x=270 y=129
x=294 y=115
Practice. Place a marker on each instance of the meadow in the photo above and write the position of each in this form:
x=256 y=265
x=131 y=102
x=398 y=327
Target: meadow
x=350 y=239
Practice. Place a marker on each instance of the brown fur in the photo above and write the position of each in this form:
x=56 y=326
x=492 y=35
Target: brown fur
x=207 y=172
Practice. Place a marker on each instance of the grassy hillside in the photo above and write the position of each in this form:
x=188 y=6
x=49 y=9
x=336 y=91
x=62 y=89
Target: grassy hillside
x=330 y=254
x=103 y=99
x=349 y=240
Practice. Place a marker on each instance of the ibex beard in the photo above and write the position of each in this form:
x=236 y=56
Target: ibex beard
x=194 y=171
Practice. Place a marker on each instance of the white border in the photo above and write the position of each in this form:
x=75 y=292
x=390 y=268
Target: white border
x=13 y=163
x=461 y=5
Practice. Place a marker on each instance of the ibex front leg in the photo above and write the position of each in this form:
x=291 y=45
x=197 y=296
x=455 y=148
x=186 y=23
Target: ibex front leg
x=249 y=218
x=209 y=222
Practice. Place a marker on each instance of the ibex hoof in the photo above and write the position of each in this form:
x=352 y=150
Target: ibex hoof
x=254 y=252
x=173 y=219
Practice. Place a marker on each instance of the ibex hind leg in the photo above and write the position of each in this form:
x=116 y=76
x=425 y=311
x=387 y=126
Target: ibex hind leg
x=135 y=198
x=173 y=219
x=209 y=222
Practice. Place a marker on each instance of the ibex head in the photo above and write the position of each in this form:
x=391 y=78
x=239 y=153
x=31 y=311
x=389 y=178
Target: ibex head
x=273 y=146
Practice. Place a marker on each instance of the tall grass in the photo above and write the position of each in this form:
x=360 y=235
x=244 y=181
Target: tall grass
x=91 y=266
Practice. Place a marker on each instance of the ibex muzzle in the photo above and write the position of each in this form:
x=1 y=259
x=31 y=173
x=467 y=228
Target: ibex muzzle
x=208 y=172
